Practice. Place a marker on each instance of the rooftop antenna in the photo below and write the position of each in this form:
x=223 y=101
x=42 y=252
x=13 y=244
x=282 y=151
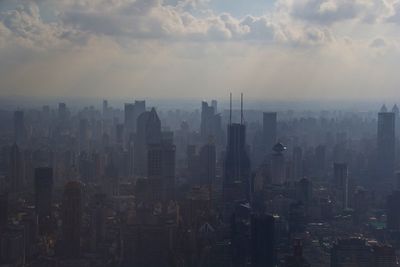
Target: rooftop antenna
x=241 y=108
x=230 y=109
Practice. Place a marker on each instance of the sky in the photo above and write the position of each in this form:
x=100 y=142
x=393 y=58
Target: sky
x=267 y=49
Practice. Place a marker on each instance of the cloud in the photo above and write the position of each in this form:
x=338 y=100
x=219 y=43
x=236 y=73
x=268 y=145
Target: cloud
x=327 y=12
x=161 y=48
x=378 y=42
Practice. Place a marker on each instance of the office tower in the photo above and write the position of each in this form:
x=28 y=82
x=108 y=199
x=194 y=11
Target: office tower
x=210 y=126
x=236 y=182
x=83 y=134
x=149 y=245
x=148 y=133
x=98 y=220
x=19 y=127
x=320 y=158
x=297 y=218
x=3 y=210
x=297 y=163
x=43 y=197
x=111 y=176
x=193 y=164
x=130 y=120
x=207 y=160
x=237 y=163
x=15 y=177
x=269 y=130
x=386 y=144
x=71 y=219
x=214 y=104
x=341 y=183
x=384 y=256
x=278 y=164
x=262 y=240
x=119 y=134
x=132 y=112
x=12 y=251
x=240 y=231
x=392 y=211
x=351 y=252
x=396 y=110
x=304 y=191
x=297 y=259
x=105 y=108
x=161 y=167
x=62 y=112
x=207 y=113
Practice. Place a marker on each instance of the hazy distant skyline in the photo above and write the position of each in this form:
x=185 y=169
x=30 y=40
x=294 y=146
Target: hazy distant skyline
x=270 y=50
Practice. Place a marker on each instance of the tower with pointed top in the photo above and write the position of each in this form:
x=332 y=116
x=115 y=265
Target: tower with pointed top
x=148 y=132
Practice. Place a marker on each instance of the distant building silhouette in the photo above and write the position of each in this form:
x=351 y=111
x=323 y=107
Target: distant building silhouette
x=43 y=197
x=386 y=147
x=351 y=252
x=16 y=173
x=210 y=126
x=132 y=112
x=71 y=219
x=148 y=133
x=161 y=167
x=263 y=252
x=236 y=177
x=19 y=127
x=278 y=164
x=269 y=130
x=392 y=211
x=341 y=183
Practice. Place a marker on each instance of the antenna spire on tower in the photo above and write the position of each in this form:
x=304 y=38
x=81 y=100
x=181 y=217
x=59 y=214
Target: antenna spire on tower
x=241 y=108
x=230 y=109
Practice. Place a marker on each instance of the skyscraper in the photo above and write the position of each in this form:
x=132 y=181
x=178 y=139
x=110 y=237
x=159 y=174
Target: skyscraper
x=386 y=143
x=161 y=167
x=43 y=197
x=351 y=252
x=15 y=177
x=130 y=122
x=207 y=159
x=392 y=211
x=132 y=112
x=262 y=240
x=278 y=164
x=210 y=122
x=19 y=127
x=341 y=183
x=269 y=129
x=148 y=132
x=236 y=182
x=71 y=219
x=3 y=210
x=62 y=111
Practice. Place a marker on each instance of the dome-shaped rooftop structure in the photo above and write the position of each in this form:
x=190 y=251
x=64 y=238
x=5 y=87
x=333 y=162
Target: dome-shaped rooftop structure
x=279 y=148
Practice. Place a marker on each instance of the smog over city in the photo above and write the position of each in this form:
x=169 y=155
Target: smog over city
x=199 y=133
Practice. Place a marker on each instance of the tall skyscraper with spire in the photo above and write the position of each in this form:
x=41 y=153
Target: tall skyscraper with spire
x=236 y=183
